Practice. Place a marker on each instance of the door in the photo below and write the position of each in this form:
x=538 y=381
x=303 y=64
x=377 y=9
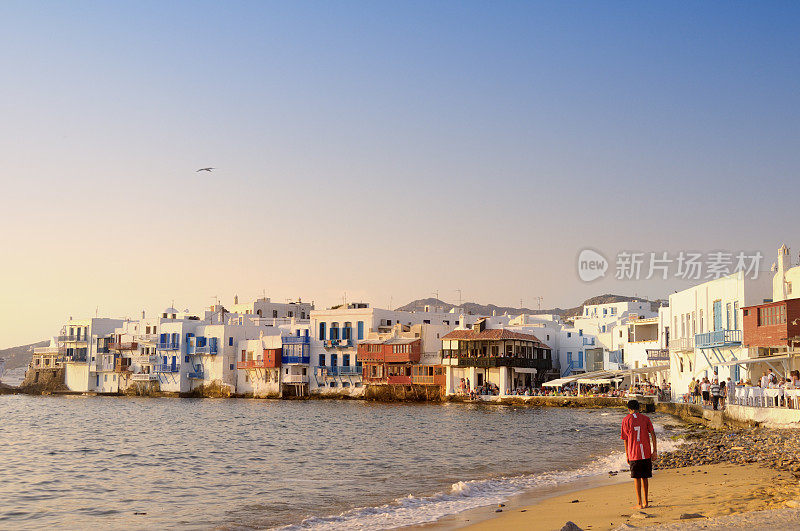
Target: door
x=717 y=315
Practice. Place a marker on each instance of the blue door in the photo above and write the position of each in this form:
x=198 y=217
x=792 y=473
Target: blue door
x=717 y=315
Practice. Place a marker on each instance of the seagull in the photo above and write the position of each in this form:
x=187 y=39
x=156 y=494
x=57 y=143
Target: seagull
x=205 y=169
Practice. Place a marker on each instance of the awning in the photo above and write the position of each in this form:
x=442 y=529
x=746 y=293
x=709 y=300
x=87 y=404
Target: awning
x=599 y=381
x=528 y=370
x=619 y=373
x=749 y=361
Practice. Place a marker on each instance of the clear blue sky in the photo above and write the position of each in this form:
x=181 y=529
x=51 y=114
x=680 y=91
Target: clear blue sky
x=384 y=149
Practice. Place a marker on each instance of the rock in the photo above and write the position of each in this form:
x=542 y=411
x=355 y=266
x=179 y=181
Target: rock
x=641 y=515
x=575 y=501
x=690 y=516
x=498 y=510
x=570 y=526
x=793 y=503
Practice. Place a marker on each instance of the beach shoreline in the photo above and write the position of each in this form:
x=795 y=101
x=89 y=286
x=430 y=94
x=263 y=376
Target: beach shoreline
x=714 y=473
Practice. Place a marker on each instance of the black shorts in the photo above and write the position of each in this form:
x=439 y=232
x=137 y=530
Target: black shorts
x=705 y=395
x=643 y=468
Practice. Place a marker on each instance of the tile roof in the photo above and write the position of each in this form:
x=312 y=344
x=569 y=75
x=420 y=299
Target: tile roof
x=493 y=334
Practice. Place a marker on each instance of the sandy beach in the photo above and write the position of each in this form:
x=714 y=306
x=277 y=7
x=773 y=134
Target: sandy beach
x=703 y=492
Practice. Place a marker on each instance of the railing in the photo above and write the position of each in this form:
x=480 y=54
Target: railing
x=104 y=367
x=718 y=338
x=119 y=367
x=338 y=343
x=144 y=359
x=295 y=378
x=102 y=350
x=79 y=358
x=124 y=345
x=657 y=354
x=399 y=380
x=72 y=339
x=196 y=375
x=254 y=364
x=423 y=380
x=288 y=360
x=568 y=370
x=681 y=343
x=350 y=370
x=206 y=349
x=500 y=361
x=166 y=368
x=588 y=341
x=49 y=350
x=147 y=338
x=296 y=340
x=142 y=377
x=168 y=345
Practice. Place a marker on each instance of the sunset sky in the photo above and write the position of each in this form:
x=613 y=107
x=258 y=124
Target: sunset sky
x=386 y=150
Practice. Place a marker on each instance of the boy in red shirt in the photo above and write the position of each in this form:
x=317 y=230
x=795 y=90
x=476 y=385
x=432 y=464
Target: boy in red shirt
x=637 y=432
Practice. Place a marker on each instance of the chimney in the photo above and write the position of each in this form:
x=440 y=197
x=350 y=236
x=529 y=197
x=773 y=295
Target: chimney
x=236 y=299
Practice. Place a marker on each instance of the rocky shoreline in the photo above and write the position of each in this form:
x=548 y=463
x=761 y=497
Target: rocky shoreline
x=773 y=448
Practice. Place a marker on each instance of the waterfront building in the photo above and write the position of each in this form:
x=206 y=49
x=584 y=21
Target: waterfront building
x=336 y=333
x=85 y=346
x=265 y=308
x=259 y=365
x=705 y=328
x=573 y=350
x=497 y=356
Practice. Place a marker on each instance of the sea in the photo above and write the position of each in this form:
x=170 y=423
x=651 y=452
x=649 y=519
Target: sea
x=79 y=462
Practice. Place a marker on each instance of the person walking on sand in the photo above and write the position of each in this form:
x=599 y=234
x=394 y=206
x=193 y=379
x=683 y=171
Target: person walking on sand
x=716 y=394
x=637 y=432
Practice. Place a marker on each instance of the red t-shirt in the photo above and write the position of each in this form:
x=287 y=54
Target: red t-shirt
x=636 y=430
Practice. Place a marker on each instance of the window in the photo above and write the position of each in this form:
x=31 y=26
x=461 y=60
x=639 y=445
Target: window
x=231 y=366
x=788 y=288
x=274 y=314
x=322 y=360
x=580 y=332
x=736 y=315
x=230 y=341
x=728 y=316
x=360 y=330
x=569 y=334
x=322 y=331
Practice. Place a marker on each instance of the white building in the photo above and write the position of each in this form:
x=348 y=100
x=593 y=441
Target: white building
x=705 y=327
x=85 y=346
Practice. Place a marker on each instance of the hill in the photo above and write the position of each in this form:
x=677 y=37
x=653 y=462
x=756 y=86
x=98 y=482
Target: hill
x=488 y=309
x=20 y=356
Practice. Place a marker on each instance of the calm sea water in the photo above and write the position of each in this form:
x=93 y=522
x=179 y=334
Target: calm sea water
x=94 y=462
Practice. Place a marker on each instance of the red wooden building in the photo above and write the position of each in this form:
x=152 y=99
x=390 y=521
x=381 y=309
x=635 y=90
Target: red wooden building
x=772 y=326
x=270 y=359
x=389 y=361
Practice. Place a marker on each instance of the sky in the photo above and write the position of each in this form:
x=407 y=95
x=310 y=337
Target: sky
x=382 y=151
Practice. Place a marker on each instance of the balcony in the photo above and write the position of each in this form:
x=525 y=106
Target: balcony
x=296 y=340
x=166 y=368
x=72 y=339
x=49 y=351
x=119 y=367
x=104 y=367
x=143 y=377
x=296 y=360
x=211 y=350
x=719 y=338
x=339 y=343
x=169 y=345
x=196 y=375
x=124 y=345
x=436 y=379
x=254 y=364
x=147 y=338
x=677 y=344
x=144 y=359
x=350 y=370
x=398 y=380
x=657 y=354
x=497 y=361
x=588 y=341
x=295 y=378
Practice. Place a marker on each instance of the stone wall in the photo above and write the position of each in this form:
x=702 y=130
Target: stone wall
x=43 y=380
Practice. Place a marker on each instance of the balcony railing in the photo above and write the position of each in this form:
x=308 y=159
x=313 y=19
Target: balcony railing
x=399 y=380
x=124 y=345
x=169 y=345
x=142 y=377
x=104 y=367
x=196 y=375
x=45 y=351
x=338 y=343
x=147 y=338
x=499 y=361
x=166 y=368
x=657 y=354
x=289 y=360
x=254 y=364
x=588 y=341
x=206 y=349
x=681 y=343
x=718 y=338
x=144 y=359
x=295 y=378
x=72 y=339
x=296 y=340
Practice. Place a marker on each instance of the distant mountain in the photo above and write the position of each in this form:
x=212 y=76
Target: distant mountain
x=20 y=356
x=489 y=309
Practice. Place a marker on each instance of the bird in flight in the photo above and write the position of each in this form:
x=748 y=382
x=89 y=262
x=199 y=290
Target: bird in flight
x=205 y=169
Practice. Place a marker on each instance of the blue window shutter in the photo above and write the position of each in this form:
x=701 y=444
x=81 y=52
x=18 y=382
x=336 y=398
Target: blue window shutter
x=322 y=331
x=361 y=330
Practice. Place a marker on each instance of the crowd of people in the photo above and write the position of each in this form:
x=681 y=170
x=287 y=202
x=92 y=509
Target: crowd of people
x=716 y=394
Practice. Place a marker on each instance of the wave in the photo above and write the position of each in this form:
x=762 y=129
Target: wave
x=461 y=496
